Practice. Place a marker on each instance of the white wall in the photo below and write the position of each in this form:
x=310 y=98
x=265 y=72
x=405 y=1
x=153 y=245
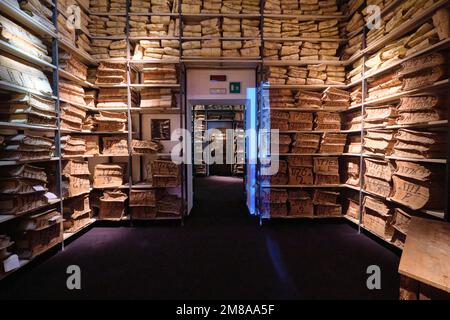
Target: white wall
x=199 y=84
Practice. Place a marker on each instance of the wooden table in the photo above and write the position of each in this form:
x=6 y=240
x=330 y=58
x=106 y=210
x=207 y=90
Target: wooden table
x=426 y=256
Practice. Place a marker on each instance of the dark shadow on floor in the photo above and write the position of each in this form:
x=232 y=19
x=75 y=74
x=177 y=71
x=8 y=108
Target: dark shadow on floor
x=220 y=253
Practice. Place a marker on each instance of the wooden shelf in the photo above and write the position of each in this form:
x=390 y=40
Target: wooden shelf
x=309 y=154
x=353 y=220
x=219 y=38
x=68 y=235
x=149 y=14
x=142 y=86
x=400 y=31
x=304 y=87
x=68 y=76
x=397 y=96
x=21 y=126
x=305 y=17
x=221 y=15
x=435 y=213
x=349 y=186
x=77 y=195
x=93 y=132
x=14 y=163
x=114 y=38
x=159 y=110
x=272 y=186
x=153 y=38
x=20 y=53
x=25 y=20
x=379 y=237
x=436 y=47
x=7 y=86
x=305 y=39
x=6 y=218
x=268 y=62
x=82 y=55
x=301 y=217
x=85 y=107
x=303 y=110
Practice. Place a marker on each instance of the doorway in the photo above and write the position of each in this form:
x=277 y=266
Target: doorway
x=218 y=116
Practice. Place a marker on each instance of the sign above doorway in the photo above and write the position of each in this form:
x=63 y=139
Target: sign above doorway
x=235 y=87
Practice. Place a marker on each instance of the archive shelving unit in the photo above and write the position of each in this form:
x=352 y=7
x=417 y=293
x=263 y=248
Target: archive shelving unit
x=135 y=115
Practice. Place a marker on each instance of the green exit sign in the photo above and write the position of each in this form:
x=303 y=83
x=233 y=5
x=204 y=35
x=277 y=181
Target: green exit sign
x=235 y=87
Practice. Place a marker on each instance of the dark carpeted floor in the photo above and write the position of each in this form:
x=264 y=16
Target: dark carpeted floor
x=220 y=253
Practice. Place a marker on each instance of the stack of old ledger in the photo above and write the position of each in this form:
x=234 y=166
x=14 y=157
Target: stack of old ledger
x=20 y=38
x=39 y=232
x=6 y=254
x=157 y=50
x=143 y=203
x=326 y=203
x=274 y=202
x=111 y=73
x=28 y=109
x=22 y=188
x=191 y=6
x=107 y=121
x=300 y=203
x=305 y=143
x=356 y=96
x=335 y=99
x=169 y=205
x=39 y=10
x=71 y=93
x=421 y=109
x=77 y=214
x=140 y=6
x=72 y=117
x=278 y=98
x=423 y=71
x=115 y=98
x=353 y=30
x=21 y=147
x=333 y=143
x=75 y=178
x=159 y=74
x=112 y=205
x=277 y=120
x=354 y=144
x=24 y=76
x=378 y=142
x=384 y=85
x=300 y=121
x=418 y=186
x=145 y=147
x=352 y=171
x=300 y=170
x=378 y=177
x=419 y=144
x=115 y=146
x=379 y=116
x=352 y=120
x=308 y=100
x=281 y=176
x=377 y=217
x=90 y=98
x=72 y=146
x=355 y=74
x=165 y=174
x=109 y=175
x=157 y=98
x=326 y=171
x=327 y=121
x=105 y=6
x=70 y=64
